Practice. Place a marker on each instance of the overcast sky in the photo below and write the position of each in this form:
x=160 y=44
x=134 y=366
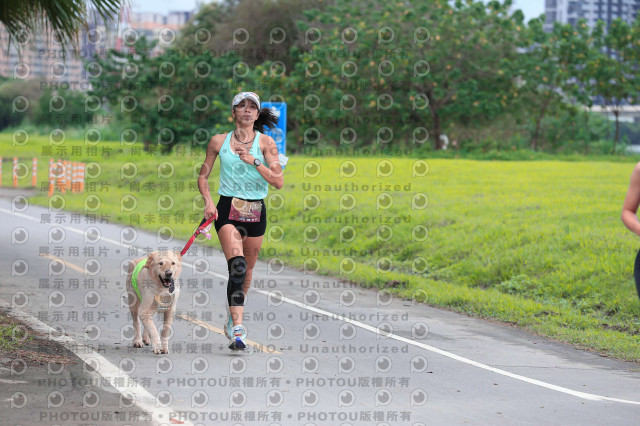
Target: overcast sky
x=530 y=8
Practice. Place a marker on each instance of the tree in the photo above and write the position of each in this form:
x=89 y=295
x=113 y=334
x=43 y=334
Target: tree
x=200 y=33
x=64 y=17
x=580 y=86
x=200 y=91
x=612 y=69
x=171 y=98
x=411 y=64
x=475 y=47
x=550 y=70
x=126 y=80
x=18 y=99
x=62 y=107
x=231 y=26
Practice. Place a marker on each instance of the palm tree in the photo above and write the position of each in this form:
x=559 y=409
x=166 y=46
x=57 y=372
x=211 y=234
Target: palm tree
x=65 y=18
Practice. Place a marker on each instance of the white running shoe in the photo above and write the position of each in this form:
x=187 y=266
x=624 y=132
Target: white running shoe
x=228 y=327
x=239 y=338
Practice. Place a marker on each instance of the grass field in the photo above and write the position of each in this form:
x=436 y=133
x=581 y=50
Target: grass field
x=538 y=244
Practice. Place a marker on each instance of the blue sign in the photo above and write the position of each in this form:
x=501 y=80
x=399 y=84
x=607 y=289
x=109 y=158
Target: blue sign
x=278 y=133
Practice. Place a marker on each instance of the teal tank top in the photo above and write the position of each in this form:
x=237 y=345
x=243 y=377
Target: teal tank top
x=239 y=179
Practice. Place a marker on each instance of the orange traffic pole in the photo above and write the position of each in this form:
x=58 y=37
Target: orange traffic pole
x=34 y=169
x=68 y=172
x=61 y=184
x=73 y=176
x=76 y=177
x=51 y=180
x=82 y=177
x=15 y=174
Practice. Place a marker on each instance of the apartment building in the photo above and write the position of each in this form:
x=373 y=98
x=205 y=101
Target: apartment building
x=41 y=55
x=570 y=11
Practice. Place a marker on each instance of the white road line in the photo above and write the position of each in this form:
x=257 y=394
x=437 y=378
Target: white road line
x=19 y=214
x=105 y=368
x=584 y=395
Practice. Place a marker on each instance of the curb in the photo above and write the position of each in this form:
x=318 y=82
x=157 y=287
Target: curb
x=93 y=361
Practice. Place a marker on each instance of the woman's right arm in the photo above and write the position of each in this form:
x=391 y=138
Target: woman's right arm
x=203 y=178
x=631 y=202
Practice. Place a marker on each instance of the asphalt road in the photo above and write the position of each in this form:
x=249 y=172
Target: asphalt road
x=323 y=351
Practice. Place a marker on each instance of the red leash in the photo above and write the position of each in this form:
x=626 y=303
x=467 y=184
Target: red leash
x=203 y=224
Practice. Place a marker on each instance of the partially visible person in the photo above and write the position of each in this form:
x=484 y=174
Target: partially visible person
x=630 y=217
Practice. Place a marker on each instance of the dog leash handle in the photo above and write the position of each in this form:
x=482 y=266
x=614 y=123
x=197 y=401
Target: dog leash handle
x=203 y=224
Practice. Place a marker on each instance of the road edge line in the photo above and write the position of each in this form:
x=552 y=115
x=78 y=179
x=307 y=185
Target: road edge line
x=143 y=398
x=451 y=355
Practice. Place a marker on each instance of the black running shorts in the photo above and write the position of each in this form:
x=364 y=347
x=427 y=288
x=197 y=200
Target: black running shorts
x=248 y=229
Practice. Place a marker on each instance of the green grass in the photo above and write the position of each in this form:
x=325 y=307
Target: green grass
x=12 y=334
x=538 y=244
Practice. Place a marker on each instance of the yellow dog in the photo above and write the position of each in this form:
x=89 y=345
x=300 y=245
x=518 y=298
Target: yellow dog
x=151 y=287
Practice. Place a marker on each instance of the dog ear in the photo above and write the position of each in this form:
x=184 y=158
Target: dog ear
x=150 y=259
x=178 y=255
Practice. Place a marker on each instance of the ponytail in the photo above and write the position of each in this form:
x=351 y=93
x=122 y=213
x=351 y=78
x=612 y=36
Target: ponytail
x=267 y=119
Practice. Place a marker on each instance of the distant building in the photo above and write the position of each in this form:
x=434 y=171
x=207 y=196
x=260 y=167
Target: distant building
x=570 y=11
x=154 y=25
x=41 y=55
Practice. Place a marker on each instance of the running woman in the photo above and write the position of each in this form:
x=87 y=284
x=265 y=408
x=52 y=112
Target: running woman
x=248 y=165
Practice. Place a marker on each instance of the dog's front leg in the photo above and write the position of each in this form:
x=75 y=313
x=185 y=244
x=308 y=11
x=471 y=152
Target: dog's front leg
x=166 y=328
x=145 y=337
x=134 y=308
x=137 y=334
x=151 y=330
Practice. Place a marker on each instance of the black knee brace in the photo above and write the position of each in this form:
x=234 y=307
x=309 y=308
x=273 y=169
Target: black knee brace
x=237 y=273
